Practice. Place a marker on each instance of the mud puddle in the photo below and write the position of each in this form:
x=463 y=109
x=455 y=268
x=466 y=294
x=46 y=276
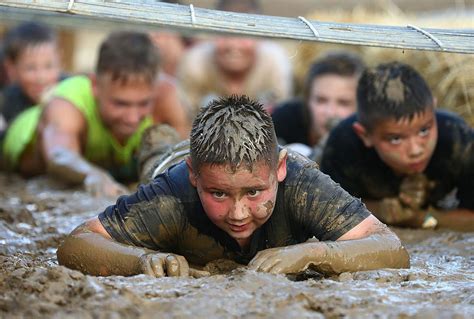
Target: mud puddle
x=36 y=215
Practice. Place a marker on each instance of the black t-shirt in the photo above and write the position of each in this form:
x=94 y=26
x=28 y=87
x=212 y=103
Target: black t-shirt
x=291 y=125
x=361 y=172
x=13 y=101
x=167 y=215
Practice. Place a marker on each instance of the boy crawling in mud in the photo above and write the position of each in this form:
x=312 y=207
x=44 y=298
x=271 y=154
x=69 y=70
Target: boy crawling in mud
x=412 y=165
x=87 y=132
x=238 y=196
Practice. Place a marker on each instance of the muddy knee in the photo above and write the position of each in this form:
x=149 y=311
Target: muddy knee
x=156 y=141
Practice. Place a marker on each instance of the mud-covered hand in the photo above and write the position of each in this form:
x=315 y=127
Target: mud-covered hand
x=289 y=259
x=392 y=211
x=414 y=190
x=100 y=183
x=171 y=265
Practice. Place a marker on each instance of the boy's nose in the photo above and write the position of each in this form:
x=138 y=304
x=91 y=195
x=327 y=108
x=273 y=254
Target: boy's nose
x=41 y=77
x=133 y=116
x=238 y=211
x=415 y=148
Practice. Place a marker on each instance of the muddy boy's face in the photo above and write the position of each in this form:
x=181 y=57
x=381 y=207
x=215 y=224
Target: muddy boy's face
x=405 y=145
x=123 y=106
x=238 y=202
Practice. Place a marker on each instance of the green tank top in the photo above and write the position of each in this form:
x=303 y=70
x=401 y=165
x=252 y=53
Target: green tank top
x=101 y=147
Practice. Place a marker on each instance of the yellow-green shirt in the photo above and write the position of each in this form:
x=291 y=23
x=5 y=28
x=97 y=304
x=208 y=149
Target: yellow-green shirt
x=101 y=147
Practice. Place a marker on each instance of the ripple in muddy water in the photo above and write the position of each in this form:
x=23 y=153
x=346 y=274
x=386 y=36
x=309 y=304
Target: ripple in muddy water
x=36 y=215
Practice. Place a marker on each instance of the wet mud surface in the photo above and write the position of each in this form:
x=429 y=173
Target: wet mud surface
x=36 y=215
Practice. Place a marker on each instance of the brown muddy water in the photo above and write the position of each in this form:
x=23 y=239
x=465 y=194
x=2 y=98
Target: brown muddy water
x=36 y=215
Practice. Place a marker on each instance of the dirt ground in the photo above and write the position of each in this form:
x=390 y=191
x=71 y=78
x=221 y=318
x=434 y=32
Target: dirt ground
x=36 y=215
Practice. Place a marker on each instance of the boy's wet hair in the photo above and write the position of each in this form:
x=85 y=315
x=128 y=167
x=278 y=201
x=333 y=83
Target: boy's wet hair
x=393 y=90
x=24 y=36
x=127 y=55
x=234 y=131
x=340 y=63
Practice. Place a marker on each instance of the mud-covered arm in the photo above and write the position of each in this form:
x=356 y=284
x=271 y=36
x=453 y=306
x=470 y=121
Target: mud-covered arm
x=61 y=129
x=91 y=250
x=369 y=245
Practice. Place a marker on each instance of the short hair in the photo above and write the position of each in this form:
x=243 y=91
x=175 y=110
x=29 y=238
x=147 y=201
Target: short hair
x=338 y=63
x=26 y=35
x=128 y=54
x=391 y=90
x=234 y=131
x=242 y=6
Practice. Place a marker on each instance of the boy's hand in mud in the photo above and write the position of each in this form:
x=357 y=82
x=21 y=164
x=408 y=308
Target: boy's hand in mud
x=102 y=184
x=287 y=260
x=414 y=190
x=393 y=212
x=170 y=265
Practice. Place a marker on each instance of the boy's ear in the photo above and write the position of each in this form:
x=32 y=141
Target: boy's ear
x=281 y=169
x=435 y=102
x=192 y=175
x=94 y=84
x=10 y=69
x=362 y=133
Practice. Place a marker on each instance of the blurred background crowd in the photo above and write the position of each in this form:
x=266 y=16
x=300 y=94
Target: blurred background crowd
x=307 y=86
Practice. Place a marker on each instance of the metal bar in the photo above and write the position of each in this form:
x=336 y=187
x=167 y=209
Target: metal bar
x=146 y=14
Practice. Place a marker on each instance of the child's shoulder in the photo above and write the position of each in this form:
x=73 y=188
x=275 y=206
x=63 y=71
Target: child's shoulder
x=446 y=119
x=452 y=128
x=343 y=135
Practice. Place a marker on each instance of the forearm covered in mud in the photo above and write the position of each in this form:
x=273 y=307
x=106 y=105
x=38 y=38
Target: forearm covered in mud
x=93 y=254
x=378 y=250
x=69 y=165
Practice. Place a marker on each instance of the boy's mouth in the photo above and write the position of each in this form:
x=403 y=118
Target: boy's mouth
x=239 y=228
x=418 y=166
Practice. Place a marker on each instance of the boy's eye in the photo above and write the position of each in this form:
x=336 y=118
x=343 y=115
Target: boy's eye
x=253 y=193
x=29 y=68
x=395 y=140
x=218 y=195
x=119 y=103
x=424 y=131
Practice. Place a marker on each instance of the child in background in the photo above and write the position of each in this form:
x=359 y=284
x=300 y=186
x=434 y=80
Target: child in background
x=89 y=128
x=412 y=165
x=329 y=96
x=32 y=62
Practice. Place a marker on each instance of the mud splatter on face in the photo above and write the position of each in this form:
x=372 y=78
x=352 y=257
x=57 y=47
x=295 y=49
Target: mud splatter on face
x=269 y=206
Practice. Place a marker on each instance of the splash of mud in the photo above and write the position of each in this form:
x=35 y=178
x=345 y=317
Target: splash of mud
x=36 y=215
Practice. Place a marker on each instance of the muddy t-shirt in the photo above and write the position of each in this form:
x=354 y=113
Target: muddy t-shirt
x=167 y=215
x=362 y=173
